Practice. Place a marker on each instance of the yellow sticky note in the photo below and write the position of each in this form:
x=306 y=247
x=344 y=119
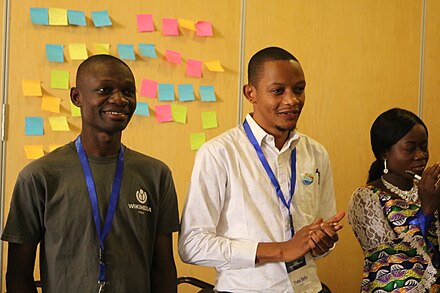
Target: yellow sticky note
x=74 y=110
x=57 y=16
x=209 y=120
x=59 y=123
x=197 y=139
x=50 y=104
x=59 y=79
x=100 y=48
x=54 y=147
x=179 y=113
x=214 y=65
x=188 y=24
x=33 y=151
x=31 y=88
x=78 y=51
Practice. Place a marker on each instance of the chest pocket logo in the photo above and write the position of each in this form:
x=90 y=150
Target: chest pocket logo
x=141 y=196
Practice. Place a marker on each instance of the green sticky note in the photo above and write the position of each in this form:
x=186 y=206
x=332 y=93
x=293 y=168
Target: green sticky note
x=209 y=120
x=59 y=79
x=74 y=110
x=197 y=139
x=179 y=113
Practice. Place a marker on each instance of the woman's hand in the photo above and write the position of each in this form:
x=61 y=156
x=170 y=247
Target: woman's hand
x=429 y=189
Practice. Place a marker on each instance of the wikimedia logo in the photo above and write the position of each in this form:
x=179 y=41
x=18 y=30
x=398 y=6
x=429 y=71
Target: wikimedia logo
x=140 y=207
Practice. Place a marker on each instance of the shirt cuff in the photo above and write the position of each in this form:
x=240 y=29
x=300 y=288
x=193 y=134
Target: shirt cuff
x=243 y=254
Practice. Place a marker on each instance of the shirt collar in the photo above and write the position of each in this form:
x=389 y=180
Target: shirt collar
x=261 y=135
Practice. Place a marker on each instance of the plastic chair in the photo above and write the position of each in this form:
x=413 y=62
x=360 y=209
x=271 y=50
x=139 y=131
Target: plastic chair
x=206 y=287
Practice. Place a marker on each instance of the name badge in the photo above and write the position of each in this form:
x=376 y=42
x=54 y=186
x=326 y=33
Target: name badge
x=295 y=264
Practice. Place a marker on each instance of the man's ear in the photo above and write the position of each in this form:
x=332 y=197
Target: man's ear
x=74 y=96
x=249 y=93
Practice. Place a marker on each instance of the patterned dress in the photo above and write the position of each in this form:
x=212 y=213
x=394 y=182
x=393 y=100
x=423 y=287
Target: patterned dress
x=398 y=258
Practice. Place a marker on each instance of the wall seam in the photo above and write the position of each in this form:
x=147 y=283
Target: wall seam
x=241 y=63
x=422 y=60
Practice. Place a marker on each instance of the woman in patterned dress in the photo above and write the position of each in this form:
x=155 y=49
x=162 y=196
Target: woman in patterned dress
x=395 y=216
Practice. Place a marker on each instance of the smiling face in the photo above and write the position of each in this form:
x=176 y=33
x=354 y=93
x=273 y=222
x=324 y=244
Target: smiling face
x=106 y=94
x=278 y=97
x=409 y=153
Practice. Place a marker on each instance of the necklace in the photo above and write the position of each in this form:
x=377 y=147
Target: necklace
x=407 y=195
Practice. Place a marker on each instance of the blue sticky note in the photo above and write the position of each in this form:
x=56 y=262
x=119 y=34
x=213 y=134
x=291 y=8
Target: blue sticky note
x=126 y=52
x=148 y=50
x=40 y=15
x=166 y=92
x=101 y=18
x=186 y=92
x=207 y=93
x=33 y=126
x=55 y=53
x=76 y=17
x=142 y=109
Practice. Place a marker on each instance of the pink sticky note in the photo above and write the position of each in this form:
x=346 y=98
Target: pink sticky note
x=145 y=23
x=149 y=88
x=170 y=27
x=173 y=56
x=163 y=113
x=203 y=29
x=194 y=68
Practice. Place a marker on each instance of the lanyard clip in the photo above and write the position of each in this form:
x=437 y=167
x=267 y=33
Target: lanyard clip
x=101 y=286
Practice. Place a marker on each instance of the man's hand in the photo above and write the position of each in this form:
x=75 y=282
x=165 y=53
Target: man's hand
x=321 y=240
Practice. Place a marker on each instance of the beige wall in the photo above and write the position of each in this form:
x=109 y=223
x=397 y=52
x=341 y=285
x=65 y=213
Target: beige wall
x=360 y=58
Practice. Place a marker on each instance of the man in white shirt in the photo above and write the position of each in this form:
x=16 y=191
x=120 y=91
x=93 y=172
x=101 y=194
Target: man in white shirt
x=260 y=191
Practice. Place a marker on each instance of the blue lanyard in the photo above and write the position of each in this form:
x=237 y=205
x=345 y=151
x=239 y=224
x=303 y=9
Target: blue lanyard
x=272 y=176
x=102 y=233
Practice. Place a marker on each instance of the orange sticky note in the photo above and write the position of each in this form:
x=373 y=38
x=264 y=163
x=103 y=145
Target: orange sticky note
x=33 y=151
x=51 y=104
x=194 y=68
x=31 y=88
x=214 y=65
x=173 y=57
x=187 y=24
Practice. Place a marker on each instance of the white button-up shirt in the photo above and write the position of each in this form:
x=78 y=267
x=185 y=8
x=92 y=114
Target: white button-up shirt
x=232 y=206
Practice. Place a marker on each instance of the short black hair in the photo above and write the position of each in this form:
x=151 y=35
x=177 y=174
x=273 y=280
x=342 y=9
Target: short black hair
x=95 y=59
x=388 y=128
x=267 y=54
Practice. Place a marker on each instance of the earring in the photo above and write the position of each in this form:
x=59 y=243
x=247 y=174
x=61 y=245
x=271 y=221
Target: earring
x=385 y=169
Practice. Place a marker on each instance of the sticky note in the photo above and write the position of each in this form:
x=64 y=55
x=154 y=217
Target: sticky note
x=185 y=92
x=142 y=109
x=145 y=23
x=74 y=110
x=57 y=16
x=50 y=104
x=59 y=123
x=126 y=51
x=149 y=88
x=53 y=147
x=214 y=65
x=76 y=17
x=31 y=88
x=59 y=79
x=33 y=126
x=173 y=57
x=101 y=48
x=55 y=53
x=39 y=15
x=187 y=24
x=163 y=113
x=197 y=139
x=179 y=113
x=203 y=29
x=33 y=152
x=78 y=51
x=170 y=27
x=101 y=18
x=194 y=68
x=209 y=120
x=166 y=92
x=207 y=93
x=148 y=50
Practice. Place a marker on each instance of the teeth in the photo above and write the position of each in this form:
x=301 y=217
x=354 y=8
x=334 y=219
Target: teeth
x=116 y=113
